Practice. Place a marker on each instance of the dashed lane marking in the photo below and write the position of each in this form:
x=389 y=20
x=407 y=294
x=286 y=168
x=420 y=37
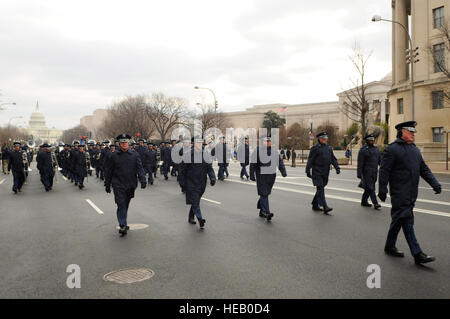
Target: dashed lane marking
x=98 y=210
x=348 y=199
x=212 y=201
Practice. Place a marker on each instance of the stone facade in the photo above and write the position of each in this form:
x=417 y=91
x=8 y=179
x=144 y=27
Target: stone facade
x=426 y=80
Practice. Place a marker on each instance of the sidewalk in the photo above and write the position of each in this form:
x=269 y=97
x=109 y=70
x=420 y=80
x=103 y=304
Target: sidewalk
x=438 y=168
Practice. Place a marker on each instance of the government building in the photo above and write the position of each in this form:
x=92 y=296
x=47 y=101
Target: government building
x=38 y=130
x=432 y=109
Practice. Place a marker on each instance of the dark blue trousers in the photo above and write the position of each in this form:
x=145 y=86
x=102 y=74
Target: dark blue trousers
x=122 y=198
x=407 y=224
x=18 y=179
x=222 y=170
x=150 y=175
x=195 y=210
x=47 y=179
x=165 y=168
x=97 y=171
x=319 y=198
x=263 y=204
x=244 y=170
x=371 y=193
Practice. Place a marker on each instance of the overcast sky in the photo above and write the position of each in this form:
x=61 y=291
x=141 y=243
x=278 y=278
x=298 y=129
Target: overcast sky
x=77 y=56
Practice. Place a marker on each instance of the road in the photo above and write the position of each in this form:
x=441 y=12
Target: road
x=300 y=254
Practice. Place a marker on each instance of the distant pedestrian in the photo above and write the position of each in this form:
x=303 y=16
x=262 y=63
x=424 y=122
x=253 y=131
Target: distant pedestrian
x=348 y=152
x=294 y=157
x=288 y=154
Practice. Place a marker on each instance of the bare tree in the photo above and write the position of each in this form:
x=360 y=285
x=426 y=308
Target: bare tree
x=355 y=104
x=439 y=57
x=210 y=118
x=74 y=133
x=297 y=136
x=334 y=136
x=130 y=116
x=166 y=113
x=12 y=133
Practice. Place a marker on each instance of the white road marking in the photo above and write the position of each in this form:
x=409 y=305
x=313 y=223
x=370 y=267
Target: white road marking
x=348 y=199
x=212 y=201
x=98 y=210
x=1 y=182
x=350 y=180
x=360 y=192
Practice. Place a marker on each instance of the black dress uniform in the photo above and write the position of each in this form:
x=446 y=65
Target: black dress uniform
x=223 y=154
x=152 y=162
x=320 y=158
x=17 y=166
x=144 y=153
x=194 y=169
x=103 y=156
x=243 y=156
x=79 y=166
x=123 y=170
x=369 y=159
x=263 y=170
x=401 y=166
x=167 y=159
x=45 y=167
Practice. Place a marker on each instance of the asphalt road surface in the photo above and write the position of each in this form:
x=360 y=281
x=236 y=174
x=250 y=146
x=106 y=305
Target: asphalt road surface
x=300 y=254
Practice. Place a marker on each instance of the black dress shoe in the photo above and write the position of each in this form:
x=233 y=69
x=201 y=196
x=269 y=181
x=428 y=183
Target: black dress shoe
x=393 y=251
x=80 y=186
x=422 y=258
x=192 y=221
x=202 y=223
x=47 y=189
x=269 y=216
x=317 y=208
x=14 y=190
x=377 y=206
x=123 y=231
x=366 y=204
x=326 y=210
x=262 y=214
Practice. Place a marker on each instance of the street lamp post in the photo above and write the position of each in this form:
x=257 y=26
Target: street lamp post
x=215 y=99
x=12 y=118
x=411 y=56
x=446 y=151
x=12 y=103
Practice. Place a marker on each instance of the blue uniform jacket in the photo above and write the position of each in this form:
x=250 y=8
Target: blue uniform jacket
x=401 y=167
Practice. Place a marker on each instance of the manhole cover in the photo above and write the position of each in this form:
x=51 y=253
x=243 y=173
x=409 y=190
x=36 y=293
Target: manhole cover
x=135 y=226
x=128 y=276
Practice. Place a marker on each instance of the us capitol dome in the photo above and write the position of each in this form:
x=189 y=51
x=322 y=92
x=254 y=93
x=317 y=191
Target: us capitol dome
x=38 y=130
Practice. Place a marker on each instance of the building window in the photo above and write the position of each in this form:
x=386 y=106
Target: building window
x=400 y=106
x=439 y=57
x=438 y=134
x=438 y=99
x=438 y=17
